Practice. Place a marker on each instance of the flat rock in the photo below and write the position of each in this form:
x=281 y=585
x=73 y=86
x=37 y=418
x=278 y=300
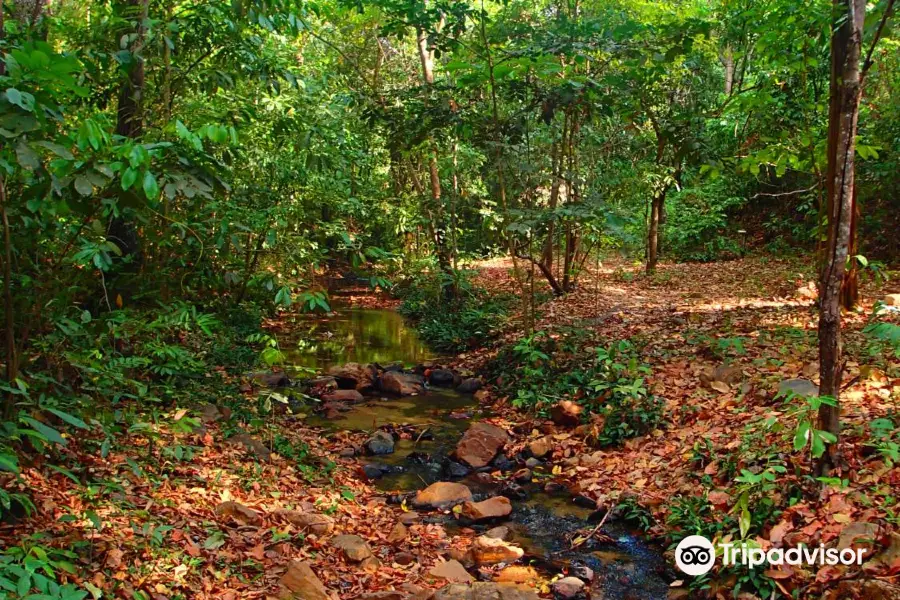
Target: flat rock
x=452 y=571
x=381 y=442
x=307 y=521
x=238 y=512
x=354 y=376
x=566 y=413
x=492 y=508
x=800 y=387
x=540 y=447
x=481 y=590
x=442 y=494
x=490 y=551
x=354 y=547
x=300 y=582
x=401 y=384
x=567 y=587
x=252 y=445
x=480 y=444
x=343 y=396
x=517 y=574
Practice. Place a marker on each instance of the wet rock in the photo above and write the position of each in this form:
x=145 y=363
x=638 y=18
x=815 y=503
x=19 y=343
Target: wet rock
x=552 y=487
x=300 y=582
x=441 y=377
x=517 y=574
x=381 y=442
x=485 y=591
x=502 y=463
x=271 y=379
x=490 y=551
x=522 y=475
x=374 y=470
x=455 y=469
x=585 y=502
x=492 y=508
x=323 y=383
x=354 y=547
x=397 y=534
x=582 y=572
x=469 y=386
x=566 y=413
x=514 y=491
x=800 y=387
x=567 y=588
x=238 y=512
x=252 y=445
x=354 y=376
x=333 y=410
x=394 y=366
x=452 y=571
x=307 y=521
x=404 y=558
x=401 y=384
x=343 y=396
x=501 y=532
x=540 y=447
x=442 y=494
x=347 y=452
x=533 y=463
x=480 y=444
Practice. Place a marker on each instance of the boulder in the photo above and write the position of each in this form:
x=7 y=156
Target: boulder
x=566 y=413
x=354 y=376
x=252 y=445
x=307 y=521
x=540 y=447
x=239 y=513
x=301 y=583
x=342 y=396
x=891 y=300
x=490 y=551
x=567 y=587
x=401 y=384
x=492 y=508
x=480 y=444
x=381 y=442
x=354 y=547
x=271 y=379
x=800 y=387
x=442 y=377
x=442 y=494
x=452 y=571
x=518 y=574
x=469 y=386
x=481 y=590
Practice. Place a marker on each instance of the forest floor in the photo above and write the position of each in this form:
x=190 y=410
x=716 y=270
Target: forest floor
x=183 y=512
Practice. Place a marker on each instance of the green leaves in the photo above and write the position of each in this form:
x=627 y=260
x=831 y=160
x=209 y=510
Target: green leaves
x=46 y=432
x=150 y=185
x=128 y=178
x=23 y=100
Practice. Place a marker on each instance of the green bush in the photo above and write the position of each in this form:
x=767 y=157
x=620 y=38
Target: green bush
x=697 y=227
x=452 y=322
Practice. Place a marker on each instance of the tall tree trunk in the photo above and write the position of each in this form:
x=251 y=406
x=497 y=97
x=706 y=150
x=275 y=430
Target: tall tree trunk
x=846 y=48
x=850 y=287
x=656 y=208
x=727 y=59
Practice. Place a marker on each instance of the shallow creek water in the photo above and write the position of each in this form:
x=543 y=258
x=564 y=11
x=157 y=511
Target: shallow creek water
x=626 y=568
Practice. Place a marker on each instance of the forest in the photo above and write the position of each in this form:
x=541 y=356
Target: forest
x=450 y=299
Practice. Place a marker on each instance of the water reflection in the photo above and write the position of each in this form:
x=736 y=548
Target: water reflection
x=353 y=335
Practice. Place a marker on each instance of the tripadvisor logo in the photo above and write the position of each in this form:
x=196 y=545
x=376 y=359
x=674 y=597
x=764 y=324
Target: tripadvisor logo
x=696 y=555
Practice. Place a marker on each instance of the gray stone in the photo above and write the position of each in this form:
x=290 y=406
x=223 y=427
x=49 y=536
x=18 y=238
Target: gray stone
x=800 y=387
x=381 y=442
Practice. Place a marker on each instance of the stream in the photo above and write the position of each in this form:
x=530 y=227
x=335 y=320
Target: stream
x=625 y=566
